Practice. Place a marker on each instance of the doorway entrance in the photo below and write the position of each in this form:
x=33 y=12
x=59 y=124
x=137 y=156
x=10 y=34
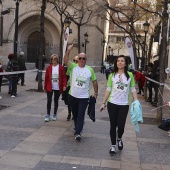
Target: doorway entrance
x=33 y=46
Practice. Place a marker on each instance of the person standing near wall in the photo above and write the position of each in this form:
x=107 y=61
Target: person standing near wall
x=12 y=78
x=22 y=67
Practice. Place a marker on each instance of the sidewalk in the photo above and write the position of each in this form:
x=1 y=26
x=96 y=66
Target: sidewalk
x=28 y=143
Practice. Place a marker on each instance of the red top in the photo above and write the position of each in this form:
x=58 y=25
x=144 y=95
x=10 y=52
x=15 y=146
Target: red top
x=48 y=78
x=140 y=77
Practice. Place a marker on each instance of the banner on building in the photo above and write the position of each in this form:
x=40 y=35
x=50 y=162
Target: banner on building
x=66 y=36
x=1 y=30
x=129 y=46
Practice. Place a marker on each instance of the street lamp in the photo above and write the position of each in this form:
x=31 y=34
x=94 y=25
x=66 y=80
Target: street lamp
x=15 y=62
x=146 y=28
x=7 y=11
x=67 y=23
x=16 y=29
x=86 y=41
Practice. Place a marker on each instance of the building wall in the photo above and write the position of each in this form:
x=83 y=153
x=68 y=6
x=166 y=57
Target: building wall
x=29 y=22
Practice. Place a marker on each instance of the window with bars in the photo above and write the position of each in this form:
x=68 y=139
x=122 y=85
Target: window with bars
x=116 y=28
x=120 y=39
x=138 y=26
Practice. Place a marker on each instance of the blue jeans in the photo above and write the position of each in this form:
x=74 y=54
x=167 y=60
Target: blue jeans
x=10 y=85
x=78 y=107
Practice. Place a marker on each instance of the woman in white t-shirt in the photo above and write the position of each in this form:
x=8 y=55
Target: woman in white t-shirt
x=55 y=82
x=120 y=85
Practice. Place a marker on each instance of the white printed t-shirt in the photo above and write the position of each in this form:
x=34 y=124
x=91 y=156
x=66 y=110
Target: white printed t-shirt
x=80 y=80
x=54 y=80
x=120 y=90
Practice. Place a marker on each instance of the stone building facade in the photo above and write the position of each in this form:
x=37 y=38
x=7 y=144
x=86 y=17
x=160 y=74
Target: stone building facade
x=29 y=32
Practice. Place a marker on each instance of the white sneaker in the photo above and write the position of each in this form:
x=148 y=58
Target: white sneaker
x=12 y=96
x=113 y=150
x=0 y=97
x=54 y=118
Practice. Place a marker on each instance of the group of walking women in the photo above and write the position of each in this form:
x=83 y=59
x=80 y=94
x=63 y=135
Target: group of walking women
x=117 y=98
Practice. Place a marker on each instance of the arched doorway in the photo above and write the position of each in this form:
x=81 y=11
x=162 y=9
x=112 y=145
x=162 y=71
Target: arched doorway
x=33 y=46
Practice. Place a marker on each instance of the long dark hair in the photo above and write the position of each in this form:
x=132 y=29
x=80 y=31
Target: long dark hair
x=115 y=69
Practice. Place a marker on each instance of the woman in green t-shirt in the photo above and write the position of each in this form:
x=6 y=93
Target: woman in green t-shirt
x=120 y=85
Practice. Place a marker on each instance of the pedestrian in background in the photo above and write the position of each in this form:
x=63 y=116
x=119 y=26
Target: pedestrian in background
x=140 y=79
x=107 y=70
x=12 y=78
x=149 y=84
x=119 y=86
x=75 y=60
x=55 y=82
x=22 y=67
x=80 y=76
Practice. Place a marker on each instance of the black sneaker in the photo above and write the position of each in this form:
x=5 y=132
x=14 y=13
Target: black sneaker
x=78 y=137
x=113 y=150
x=148 y=100
x=120 y=144
x=68 y=117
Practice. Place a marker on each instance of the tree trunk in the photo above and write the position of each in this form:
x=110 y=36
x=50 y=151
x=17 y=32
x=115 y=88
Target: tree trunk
x=42 y=50
x=61 y=40
x=150 y=48
x=79 y=44
x=162 y=60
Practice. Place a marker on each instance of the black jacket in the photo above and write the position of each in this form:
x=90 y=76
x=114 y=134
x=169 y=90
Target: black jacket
x=91 y=108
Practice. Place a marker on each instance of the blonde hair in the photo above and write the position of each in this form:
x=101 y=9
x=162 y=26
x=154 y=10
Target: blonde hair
x=76 y=57
x=54 y=56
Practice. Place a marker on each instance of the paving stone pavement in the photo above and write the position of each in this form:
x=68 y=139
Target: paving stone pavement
x=28 y=143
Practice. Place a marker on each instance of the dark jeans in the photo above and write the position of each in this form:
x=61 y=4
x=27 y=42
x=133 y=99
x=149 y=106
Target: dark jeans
x=78 y=107
x=150 y=86
x=21 y=77
x=117 y=115
x=141 y=89
x=0 y=83
x=69 y=107
x=14 y=86
x=102 y=70
x=156 y=93
x=49 y=100
x=10 y=85
x=107 y=75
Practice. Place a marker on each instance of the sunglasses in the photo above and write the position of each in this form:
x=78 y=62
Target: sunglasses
x=82 y=58
x=75 y=61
